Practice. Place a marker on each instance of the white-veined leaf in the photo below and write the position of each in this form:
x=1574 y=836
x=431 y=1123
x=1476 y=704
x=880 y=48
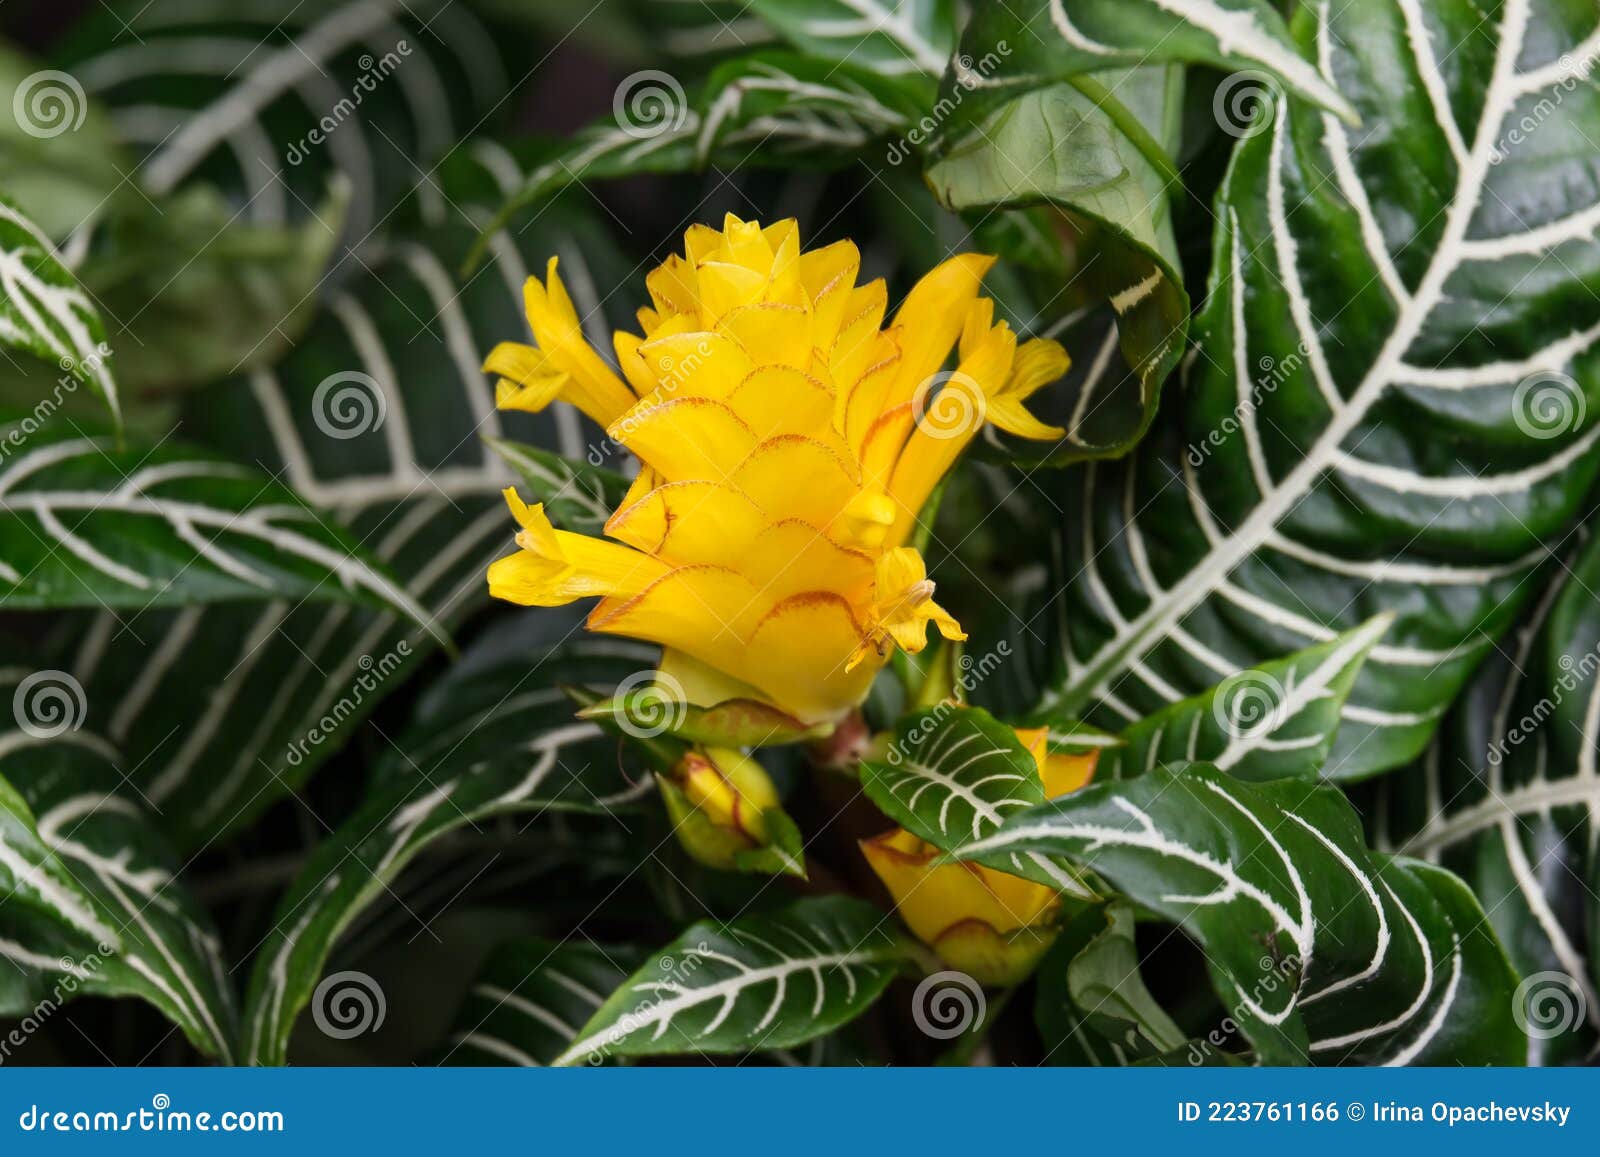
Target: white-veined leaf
x=484 y=744
x=90 y=904
x=533 y=997
x=890 y=37
x=45 y=312
x=1506 y=797
x=952 y=775
x=1273 y=721
x=759 y=982
x=1323 y=952
x=84 y=523
x=1391 y=407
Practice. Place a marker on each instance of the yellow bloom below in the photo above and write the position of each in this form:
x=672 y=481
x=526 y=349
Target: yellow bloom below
x=990 y=925
x=787 y=442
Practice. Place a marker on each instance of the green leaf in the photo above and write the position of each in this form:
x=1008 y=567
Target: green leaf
x=577 y=496
x=759 y=982
x=59 y=155
x=889 y=37
x=46 y=313
x=1270 y=722
x=952 y=775
x=1323 y=952
x=90 y=903
x=1395 y=402
x=648 y=710
x=1090 y=1002
x=1087 y=190
x=1506 y=797
x=532 y=997
x=767 y=107
x=202 y=294
x=1048 y=41
x=281 y=688
x=83 y=523
x=498 y=742
x=271 y=101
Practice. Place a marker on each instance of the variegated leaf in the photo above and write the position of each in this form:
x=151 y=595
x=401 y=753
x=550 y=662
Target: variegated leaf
x=86 y=523
x=45 y=312
x=90 y=904
x=533 y=997
x=1506 y=797
x=1394 y=401
x=401 y=462
x=1322 y=952
x=759 y=982
x=952 y=775
x=1273 y=721
x=487 y=744
x=890 y=37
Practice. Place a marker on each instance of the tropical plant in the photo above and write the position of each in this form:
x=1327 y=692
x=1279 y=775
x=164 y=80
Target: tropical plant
x=1086 y=499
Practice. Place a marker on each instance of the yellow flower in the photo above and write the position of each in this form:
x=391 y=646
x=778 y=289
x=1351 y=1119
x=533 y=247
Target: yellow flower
x=991 y=925
x=786 y=444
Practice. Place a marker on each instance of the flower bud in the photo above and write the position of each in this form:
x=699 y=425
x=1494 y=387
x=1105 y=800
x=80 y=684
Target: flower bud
x=724 y=811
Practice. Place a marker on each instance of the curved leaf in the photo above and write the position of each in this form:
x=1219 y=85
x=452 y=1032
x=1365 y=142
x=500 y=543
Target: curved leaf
x=953 y=775
x=1506 y=797
x=760 y=982
x=890 y=37
x=45 y=312
x=90 y=903
x=83 y=523
x=1270 y=722
x=1323 y=952
x=533 y=997
x=482 y=747
x=1394 y=402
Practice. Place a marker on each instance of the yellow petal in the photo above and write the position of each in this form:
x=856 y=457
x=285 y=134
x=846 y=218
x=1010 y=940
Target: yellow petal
x=594 y=388
x=686 y=438
x=932 y=317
